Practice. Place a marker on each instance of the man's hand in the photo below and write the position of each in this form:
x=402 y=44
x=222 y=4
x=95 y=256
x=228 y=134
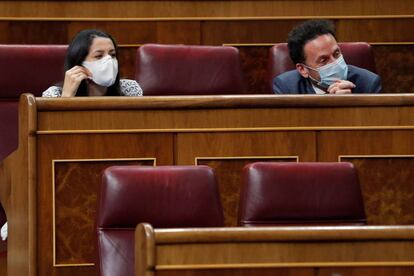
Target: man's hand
x=341 y=87
x=73 y=78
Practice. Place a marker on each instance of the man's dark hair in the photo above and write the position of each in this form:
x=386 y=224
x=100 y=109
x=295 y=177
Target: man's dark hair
x=305 y=32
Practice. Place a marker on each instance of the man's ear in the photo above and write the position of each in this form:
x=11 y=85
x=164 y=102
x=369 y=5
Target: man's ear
x=302 y=70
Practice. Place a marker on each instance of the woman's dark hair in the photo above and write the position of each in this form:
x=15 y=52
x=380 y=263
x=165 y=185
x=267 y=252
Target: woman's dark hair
x=305 y=32
x=78 y=50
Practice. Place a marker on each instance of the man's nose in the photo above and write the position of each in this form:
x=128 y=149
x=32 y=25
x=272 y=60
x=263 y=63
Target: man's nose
x=332 y=58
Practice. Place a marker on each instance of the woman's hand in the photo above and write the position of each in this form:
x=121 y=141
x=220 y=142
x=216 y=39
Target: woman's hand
x=73 y=78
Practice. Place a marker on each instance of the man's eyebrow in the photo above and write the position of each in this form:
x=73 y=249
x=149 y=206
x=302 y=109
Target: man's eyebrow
x=321 y=56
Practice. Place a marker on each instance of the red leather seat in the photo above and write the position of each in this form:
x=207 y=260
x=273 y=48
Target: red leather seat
x=27 y=69
x=300 y=193
x=188 y=70
x=355 y=53
x=166 y=196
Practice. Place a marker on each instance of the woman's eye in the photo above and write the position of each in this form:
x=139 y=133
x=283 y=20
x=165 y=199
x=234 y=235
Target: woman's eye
x=98 y=57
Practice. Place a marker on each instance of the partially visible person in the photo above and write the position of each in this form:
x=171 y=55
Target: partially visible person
x=4 y=231
x=91 y=69
x=320 y=66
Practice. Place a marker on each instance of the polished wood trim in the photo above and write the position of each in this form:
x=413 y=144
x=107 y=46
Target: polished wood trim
x=173 y=247
x=193 y=130
x=280 y=265
x=105 y=160
x=145 y=261
x=223 y=101
x=340 y=157
x=73 y=265
x=244 y=158
x=18 y=178
x=212 y=18
x=283 y=233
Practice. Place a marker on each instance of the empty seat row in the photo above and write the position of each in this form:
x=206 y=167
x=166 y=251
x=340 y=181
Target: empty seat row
x=187 y=196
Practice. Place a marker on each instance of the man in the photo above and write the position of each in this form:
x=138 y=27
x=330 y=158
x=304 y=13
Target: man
x=320 y=66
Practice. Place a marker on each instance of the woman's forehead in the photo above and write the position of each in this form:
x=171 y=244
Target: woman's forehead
x=102 y=44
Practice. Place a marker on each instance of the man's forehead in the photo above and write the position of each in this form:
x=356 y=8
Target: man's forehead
x=320 y=46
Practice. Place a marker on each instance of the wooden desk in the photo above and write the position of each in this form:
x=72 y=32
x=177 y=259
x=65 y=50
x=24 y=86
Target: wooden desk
x=49 y=185
x=274 y=250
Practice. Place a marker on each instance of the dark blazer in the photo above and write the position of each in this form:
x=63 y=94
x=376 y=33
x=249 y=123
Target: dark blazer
x=292 y=82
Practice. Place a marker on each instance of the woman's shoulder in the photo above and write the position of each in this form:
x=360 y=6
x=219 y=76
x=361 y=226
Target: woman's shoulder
x=52 y=92
x=130 y=87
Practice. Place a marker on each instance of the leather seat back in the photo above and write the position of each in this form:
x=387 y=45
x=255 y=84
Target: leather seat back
x=188 y=70
x=290 y=193
x=165 y=196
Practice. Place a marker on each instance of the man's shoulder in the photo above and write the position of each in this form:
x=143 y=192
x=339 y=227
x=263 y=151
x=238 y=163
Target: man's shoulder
x=355 y=71
x=365 y=80
x=291 y=75
x=291 y=82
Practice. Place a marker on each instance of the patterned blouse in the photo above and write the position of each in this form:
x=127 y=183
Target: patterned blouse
x=128 y=88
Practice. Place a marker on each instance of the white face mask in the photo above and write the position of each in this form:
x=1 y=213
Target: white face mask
x=331 y=72
x=104 y=70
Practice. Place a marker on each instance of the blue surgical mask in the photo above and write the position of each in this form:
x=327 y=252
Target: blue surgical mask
x=331 y=72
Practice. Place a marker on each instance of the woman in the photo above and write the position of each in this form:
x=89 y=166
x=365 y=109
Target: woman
x=91 y=69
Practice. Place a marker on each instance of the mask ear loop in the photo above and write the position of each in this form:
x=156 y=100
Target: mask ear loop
x=315 y=82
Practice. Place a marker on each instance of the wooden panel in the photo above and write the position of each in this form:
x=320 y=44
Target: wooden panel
x=179 y=32
x=255 y=144
x=123 y=32
x=363 y=249
x=126 y=62
x=75 y=241
x=4 y=36
x=276 y=30
x=202 y=31
x=176 y=130
x=241 y=272
x=166 y=8
x=141 y=32
x=395 y=65
x=227 y=153
x=76 y=186
x=265 y=252
x=386 y=183
x=375 y=30
x=251 y=31
x=277 y=117
x=366 y=271
x=42 y=32
x=255 y=66
x=387 y=189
